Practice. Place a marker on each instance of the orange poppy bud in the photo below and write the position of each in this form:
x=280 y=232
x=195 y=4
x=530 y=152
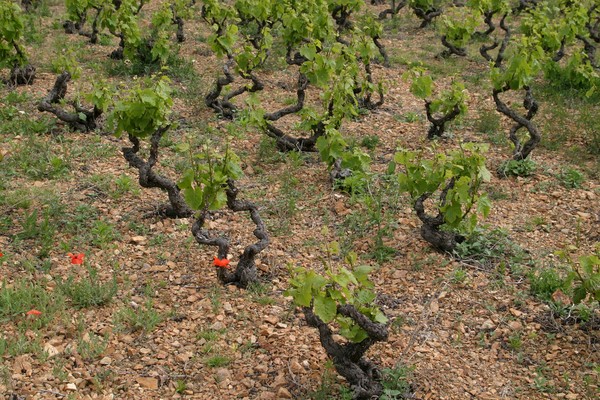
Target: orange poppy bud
x=76 y=258
x=223 y=263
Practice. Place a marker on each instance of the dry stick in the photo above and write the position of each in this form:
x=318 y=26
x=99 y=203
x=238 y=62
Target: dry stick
x=150 y=179
x=53 y=392
x=245 y=272
x=74 y=119
x=424 y=315
x=363 y=375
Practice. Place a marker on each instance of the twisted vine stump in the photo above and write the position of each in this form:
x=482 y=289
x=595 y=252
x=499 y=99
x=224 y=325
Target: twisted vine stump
x=21 y=75
x=177 y=207
x=363 y=376
x=223 y=104
x=522 y=150
x=245 y=272
x=484 y=49
x=72 y=27
x=426 y=15
x=593 y=28
x=451 y=49
x=444 y=241
x=284 y=141
x=393 y=10
x=82 y=119
x=438 y=125
x=366 y=101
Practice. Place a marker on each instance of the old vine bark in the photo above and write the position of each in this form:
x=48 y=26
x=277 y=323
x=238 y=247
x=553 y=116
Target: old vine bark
x=445 y=241
x=245 y=272
x=348 y=358
x=177 y=207
x=82 y=119
x=438 y=125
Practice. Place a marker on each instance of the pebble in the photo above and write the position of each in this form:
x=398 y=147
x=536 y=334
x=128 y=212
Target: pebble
x=217 y=326
x=283 y=393
x=106 y=361
x=222 y=374
x=487 y=324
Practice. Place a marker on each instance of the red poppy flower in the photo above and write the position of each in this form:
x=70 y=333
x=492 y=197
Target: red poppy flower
x=223 y=263
x=76 y=258
x=1 y=255
x=34 y=312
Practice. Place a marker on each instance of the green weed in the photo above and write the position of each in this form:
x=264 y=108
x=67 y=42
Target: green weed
x=92 y=346
x=491 y=248
x=488 y=123
x=396 y=383
x=124 y=185
x=90 y=291
x=329 y=388
x=22 y=296
x=571 y=178
x=103 y=233
x=522 y=168
x=143 y=318
x=217 y=361
x=545 y=281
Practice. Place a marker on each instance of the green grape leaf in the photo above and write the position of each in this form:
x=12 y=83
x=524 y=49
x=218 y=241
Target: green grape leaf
x=325 y=308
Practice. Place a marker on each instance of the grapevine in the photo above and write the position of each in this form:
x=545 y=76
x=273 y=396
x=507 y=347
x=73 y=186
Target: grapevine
x=344 y=297
x=142 y=113
x=207 y=186
x=12 y=54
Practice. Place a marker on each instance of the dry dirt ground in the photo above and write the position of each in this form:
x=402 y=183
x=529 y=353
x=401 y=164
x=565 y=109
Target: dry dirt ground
x=466 y=330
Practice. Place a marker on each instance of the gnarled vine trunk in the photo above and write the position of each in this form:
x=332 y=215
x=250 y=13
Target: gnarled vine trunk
x=222 y=104
x=393 y=10
x=82 y=119
x=442 y=240
x=438 y=125
x=427 y=15
x=245 y=272
x=24 y=75
x=348 y=359
x=177 y=207
x=521 y=150
x=21 y=73
x=287 y=142
x=452 y=49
